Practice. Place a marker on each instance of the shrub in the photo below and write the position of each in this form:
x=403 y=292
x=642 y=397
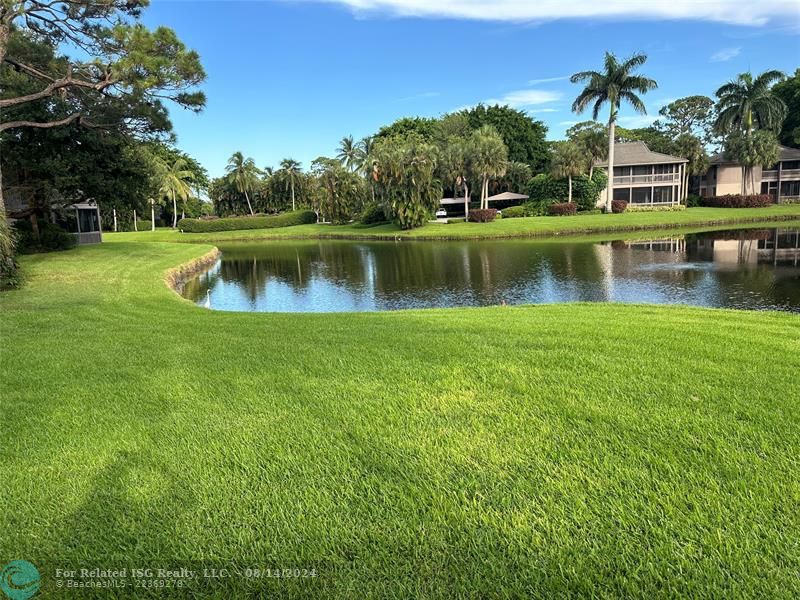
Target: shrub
x=738 y=201
x=585 y=191
x=372 y=214
x=513 y=212
x=298 y=217
x=51 y=237
x=618 y=206
x=482 y=215
x=563 y=208
x=693 y=201
x=538 y=208
x=9 y=275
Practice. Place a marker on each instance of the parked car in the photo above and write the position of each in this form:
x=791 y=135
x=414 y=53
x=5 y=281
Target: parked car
x=441 y=214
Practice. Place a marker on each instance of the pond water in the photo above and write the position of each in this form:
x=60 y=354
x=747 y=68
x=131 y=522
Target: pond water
x=734 y=269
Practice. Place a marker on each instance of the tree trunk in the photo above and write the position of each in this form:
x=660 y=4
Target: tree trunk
x=591 y=170
x=35 y=225
x=570 y=189
x=612 y=126
x=174 y=212
x=249 y=207
x=293 y=208
x=115 y=219
x=135 y=224
x=466 y=199
x=152 y=215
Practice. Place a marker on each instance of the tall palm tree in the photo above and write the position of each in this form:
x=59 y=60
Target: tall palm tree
x=175 y=184
x=365 y=160
x=348 y=152
x=617 y=82
x=243 y=174
x=569 y=160
x=488 y=157
x=747 y=103
x=292 y=169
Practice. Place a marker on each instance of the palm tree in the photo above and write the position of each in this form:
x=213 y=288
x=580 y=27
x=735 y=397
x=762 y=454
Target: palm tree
x=366 y=164
x=243 y=174
x=569 y=160
x=488 y=156
x=348 y=153
x=174 y=184
x=292 y=169
x=748 y=103
x=613 y=85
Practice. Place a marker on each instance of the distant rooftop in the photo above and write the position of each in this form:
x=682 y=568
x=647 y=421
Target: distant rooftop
x=784 y=153
x=508 y=196
x=637 y=153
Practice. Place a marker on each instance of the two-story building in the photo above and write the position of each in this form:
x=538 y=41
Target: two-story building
x=781 y=181
x=644 y=178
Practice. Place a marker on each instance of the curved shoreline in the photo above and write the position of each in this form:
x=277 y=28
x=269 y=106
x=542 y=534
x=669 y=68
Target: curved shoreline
x=177 y=277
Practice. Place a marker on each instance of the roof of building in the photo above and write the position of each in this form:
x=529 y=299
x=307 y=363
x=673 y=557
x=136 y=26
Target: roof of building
x=784 y=153
x=452 y=200
x=637 y=153
x=508 y=196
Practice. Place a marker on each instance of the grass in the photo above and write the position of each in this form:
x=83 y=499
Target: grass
x=541 y=451
x=502 y=228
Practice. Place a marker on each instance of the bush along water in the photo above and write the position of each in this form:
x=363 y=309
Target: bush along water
x=298 y=217
x=585 y=191
x=513 y=212
x=563 y=209
x=373 y=214
x=738 y=201
x=482 y=215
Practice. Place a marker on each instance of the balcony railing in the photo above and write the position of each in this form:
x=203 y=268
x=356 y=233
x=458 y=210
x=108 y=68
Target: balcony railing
x=786 y=175
x=657 y=178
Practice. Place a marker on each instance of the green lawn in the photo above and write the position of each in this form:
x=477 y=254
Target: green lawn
x=502 y=228
x=540 y=451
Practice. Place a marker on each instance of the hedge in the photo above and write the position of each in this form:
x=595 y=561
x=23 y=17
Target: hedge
x=738 y=201
x=513 y=212
x=298 y=217
x=618 y=206
x=482 y=215
x=563 y=208
x=585 y=192
x=373 y=214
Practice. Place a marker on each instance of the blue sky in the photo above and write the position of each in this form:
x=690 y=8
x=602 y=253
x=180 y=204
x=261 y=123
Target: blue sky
x=290 y=78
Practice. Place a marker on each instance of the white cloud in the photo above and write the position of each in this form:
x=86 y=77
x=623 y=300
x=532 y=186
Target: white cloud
x=739 y=12
x=521 y=98
x=544 y=110
x=725 y=54
x=548 y=80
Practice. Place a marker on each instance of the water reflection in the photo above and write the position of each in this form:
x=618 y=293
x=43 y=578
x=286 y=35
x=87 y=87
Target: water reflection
x=742 y=269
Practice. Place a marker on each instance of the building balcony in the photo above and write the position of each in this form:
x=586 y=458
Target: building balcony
x=786 y=175
x=647 y=179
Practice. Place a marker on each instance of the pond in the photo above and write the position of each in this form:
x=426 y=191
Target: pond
x=748 y=268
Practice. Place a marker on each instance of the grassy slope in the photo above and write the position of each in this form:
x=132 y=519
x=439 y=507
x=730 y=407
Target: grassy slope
x=502 y=228
x=539 y=451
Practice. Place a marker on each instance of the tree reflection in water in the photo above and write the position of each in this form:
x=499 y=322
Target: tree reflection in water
x=741 y=269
